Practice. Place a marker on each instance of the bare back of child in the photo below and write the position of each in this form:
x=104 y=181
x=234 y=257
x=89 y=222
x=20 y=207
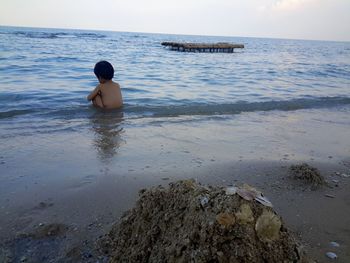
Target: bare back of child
x=108 y=93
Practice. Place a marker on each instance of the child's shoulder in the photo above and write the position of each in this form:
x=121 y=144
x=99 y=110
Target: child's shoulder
x=115 y=84
x=109 y=86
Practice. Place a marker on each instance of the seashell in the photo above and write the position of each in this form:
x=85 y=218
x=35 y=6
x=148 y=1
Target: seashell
x=263 y=200
x=246 y=194
x=251 y=189
x=226 y=219
x=334 y=244
x=204 y=201
x=231 y=190
x=245 y=214
x=268 y=226
x=331 y=255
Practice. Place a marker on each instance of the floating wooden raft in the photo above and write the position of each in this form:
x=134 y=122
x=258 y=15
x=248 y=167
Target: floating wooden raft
x=202 y=47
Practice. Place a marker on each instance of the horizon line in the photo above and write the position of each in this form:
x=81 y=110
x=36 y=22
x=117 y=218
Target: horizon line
x=179 y=34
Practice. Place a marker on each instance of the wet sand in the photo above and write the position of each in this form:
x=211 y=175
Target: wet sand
x=82 y=184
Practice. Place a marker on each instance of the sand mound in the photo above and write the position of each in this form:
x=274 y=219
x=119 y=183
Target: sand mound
x=188 y=222
x=308 y=174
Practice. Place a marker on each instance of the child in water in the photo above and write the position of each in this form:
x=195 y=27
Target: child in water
x=107 y=94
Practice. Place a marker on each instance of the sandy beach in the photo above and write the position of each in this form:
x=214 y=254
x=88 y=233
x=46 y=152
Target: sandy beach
x=79 y=184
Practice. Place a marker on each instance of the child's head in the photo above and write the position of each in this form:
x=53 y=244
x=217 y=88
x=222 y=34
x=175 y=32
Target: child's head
x=104 y=71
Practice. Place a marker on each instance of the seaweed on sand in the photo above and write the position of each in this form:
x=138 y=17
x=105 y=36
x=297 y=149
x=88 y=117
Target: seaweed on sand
x=308 y=174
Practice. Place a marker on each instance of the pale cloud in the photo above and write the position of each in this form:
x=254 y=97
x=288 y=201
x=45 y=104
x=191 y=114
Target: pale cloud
x=291 y=5
x=286 y=5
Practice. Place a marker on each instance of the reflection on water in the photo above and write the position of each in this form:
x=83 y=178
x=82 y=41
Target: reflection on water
x=108 y=130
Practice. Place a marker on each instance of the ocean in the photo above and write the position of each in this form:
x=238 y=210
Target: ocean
x=46 y=74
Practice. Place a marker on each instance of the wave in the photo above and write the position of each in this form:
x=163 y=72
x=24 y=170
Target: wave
x=14 y=113
x=53 y=35
x=139 y=111
x=236 y=108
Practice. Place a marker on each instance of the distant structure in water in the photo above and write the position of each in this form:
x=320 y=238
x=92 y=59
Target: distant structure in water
x=202 y=47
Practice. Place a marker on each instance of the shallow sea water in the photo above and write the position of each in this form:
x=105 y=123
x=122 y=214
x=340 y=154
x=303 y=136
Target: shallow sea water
x=46 y=74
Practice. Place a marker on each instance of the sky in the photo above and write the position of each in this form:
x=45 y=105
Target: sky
x=295 y=19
